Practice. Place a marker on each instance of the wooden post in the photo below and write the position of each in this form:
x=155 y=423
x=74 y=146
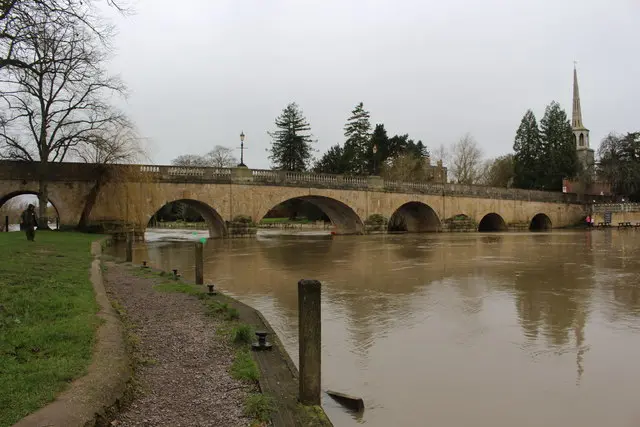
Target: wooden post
x=199 y=263
x=309 y=335
x=6 y=223
x=58 y=223
x=129 y=248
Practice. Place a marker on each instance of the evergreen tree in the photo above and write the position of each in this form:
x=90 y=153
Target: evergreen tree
x=291 y=146
x=333 y=161
x=560 y=159
x=620 y=163
x=418 y=149
x=527 y=162
x=357 y=133
x=380 y=140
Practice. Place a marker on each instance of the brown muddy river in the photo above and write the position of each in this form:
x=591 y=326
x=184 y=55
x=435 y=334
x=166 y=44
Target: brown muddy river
x=501 y=330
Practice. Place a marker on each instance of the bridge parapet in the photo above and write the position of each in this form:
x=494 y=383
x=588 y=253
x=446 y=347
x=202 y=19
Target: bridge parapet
x=616 y=207
x=69 y=172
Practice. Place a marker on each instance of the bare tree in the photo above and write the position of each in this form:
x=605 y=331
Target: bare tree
x=195 y=160
x=117 y=143
x=441 y=154
x=405 y=167
x=466 y=161
x=221 y=157
x=15 y=25
x=59 y=103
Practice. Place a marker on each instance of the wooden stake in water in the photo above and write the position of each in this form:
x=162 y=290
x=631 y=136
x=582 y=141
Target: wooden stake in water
x=199 y=263
x=309 y=337
x=129 y=248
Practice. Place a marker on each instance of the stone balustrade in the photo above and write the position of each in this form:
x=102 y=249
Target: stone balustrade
x=616 y=207
x=69 y=172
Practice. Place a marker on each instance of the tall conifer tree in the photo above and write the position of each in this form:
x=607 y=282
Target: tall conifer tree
x=559 y=152
x=291 y=146
x=358 y=133
x=527 y=146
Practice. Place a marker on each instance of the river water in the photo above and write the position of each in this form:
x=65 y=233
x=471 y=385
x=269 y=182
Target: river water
x=451 y=329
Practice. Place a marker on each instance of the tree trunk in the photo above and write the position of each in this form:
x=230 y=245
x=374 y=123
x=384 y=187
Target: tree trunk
x=43 y=201
x=88 y=205
x=90 y=201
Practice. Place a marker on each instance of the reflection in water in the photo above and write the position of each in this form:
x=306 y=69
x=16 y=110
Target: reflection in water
x=507 y=329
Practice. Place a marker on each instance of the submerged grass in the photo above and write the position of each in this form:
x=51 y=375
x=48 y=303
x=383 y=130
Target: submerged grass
x=47 y=318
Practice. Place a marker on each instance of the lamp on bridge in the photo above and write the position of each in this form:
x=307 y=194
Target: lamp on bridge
x=375 y=158
x=242 y=165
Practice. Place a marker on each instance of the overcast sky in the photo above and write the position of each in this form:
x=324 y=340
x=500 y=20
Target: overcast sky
x=201 y=71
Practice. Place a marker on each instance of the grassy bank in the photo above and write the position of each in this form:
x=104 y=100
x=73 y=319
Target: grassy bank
x=47 y=318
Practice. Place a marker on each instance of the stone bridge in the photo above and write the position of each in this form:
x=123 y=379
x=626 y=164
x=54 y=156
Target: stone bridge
x=129 y=195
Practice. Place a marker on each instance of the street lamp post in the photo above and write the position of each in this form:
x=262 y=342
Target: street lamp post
x=375 y=159
x=242 y=150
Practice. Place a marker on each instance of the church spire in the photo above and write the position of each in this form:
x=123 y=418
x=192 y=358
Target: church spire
x=576 y=121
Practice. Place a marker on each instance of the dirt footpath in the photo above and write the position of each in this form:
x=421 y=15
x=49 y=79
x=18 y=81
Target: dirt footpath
x=183 y=372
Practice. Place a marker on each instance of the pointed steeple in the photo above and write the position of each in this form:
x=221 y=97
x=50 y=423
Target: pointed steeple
x=576 y=121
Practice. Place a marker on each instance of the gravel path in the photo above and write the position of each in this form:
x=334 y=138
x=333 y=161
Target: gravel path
x=187 y=382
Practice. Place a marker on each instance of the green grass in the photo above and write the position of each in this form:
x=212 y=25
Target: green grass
x=242 y=334
x=259 y=406
x=244 y=368
x=47 y=318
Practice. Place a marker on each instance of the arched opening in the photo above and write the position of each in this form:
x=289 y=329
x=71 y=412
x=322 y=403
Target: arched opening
x=492 y=222
x=315 y=210
x=540 y=222
x=13 y=204
x=414 y=217
x=190 y=215
x=295 y=211
x=581 y=140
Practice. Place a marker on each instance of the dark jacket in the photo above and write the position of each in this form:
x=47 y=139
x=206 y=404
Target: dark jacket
x=28 y=219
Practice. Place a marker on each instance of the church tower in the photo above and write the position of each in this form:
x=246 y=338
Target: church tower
x=581 y=133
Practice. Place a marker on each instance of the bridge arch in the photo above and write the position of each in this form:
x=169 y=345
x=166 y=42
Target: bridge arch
x=341 y=215
x=540 y=222
x=215 y=223
x=6 y=197
x=492 y=222
x=414 y=217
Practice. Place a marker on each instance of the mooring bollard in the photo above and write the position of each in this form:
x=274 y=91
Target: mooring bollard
x=262 y=343
x=175 y=273
x=309 y=335
x=212 y=291
x=6 y=223
x=199 y=263
x=144 y=264
x=129 y=248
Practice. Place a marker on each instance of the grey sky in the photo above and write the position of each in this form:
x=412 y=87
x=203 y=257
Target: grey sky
x=201 y=72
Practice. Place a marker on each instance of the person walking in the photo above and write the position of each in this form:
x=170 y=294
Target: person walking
x=29 y=222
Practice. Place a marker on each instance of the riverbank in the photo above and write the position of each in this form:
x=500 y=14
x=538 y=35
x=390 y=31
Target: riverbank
x=193 y=364
x=47 y=318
